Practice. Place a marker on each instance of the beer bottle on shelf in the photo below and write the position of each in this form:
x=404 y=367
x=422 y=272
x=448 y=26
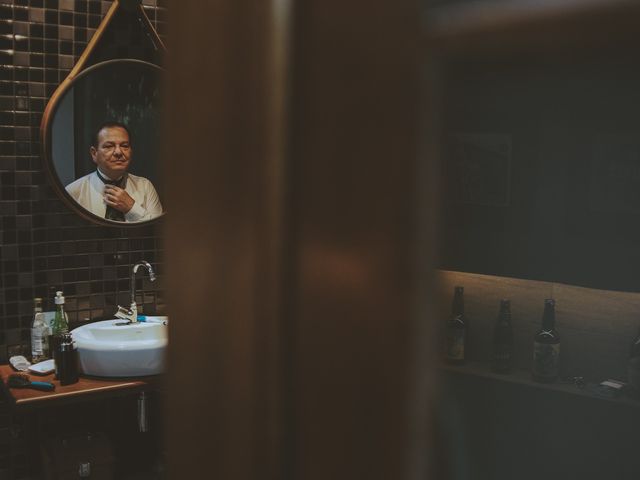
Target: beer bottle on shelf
x=546 y=347
x=456 y=329
x=633 y=367
x=503 y=340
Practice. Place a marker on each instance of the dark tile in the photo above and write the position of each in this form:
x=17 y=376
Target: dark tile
x=36 y=60
x=66 y=18
x=6 y=12
x=36 y=31
x=6 y=88
x=51 y=31
x=51 y=61
x=20 y=14
x=6 y=74
x=36 y=75
x=51 y=46
x=21 y=74
x=6 y=43
x=51 y=16
x=6 y=28
x=80 y=21
x=66 y=48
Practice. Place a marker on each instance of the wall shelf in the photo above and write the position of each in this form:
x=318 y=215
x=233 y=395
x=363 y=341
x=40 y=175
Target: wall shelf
x=523 y=378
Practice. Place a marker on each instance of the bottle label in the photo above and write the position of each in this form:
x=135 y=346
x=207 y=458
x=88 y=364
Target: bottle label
x=502 y=357
x=546 y=359
x=455 y=344
x=36 y=342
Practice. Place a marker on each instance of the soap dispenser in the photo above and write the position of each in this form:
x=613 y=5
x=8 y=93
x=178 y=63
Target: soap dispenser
x=67 y=363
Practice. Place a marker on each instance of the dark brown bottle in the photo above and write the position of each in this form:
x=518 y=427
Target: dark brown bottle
x=503 y=340
x=633 y=368
x=456 y=329
x=546 y=346
x=67 y=360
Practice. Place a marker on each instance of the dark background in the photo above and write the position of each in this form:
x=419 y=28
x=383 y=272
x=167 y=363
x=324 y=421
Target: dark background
x=541 y=170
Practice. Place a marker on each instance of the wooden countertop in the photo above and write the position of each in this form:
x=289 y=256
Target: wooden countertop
x=87 y=388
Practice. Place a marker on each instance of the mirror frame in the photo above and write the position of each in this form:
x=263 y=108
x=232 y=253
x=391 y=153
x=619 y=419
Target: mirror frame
x=77 y=73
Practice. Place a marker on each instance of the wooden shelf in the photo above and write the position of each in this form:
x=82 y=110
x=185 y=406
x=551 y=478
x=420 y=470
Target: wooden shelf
x=523 y=378
x=87 y=388
x=532 y=26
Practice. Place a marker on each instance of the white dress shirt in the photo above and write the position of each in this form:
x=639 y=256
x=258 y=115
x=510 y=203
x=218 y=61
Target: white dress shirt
x=88 y=191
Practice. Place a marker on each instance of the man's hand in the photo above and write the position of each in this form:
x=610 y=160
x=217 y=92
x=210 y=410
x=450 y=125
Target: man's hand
x=118 y=198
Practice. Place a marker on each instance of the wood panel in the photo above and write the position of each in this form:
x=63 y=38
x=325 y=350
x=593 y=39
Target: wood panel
x=299 y=272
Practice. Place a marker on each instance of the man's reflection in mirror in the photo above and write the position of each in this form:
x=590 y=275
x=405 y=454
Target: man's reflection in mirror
x=111 y=191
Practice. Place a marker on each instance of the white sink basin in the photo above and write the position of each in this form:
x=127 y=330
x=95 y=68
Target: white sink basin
x=112 y=348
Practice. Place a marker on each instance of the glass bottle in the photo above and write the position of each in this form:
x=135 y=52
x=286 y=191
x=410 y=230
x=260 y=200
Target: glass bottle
x=59 y=326
x=503 y=340
x=546 y=347
x=60 y=323
x=456 y=329
x=633 y=367
x=39 y=334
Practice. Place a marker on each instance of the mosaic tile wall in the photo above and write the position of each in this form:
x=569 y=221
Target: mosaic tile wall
x=43 y=246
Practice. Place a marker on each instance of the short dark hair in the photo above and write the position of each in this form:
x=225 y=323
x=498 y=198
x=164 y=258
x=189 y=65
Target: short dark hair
x=109 y=124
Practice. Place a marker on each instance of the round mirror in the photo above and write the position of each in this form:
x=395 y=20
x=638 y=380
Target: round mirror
x=101 y=142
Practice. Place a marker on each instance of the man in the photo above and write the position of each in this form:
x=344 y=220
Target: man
x=111 y=192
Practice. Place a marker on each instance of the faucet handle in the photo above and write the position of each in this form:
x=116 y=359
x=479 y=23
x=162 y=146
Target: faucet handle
x=124 y=313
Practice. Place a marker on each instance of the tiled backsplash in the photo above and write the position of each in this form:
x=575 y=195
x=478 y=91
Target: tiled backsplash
x=44 y=247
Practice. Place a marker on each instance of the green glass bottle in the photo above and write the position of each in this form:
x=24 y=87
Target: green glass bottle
x=59 y=326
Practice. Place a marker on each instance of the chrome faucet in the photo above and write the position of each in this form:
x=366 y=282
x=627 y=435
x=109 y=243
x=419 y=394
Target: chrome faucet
x=131 y=314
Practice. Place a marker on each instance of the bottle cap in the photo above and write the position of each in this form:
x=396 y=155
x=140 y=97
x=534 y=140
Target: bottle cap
x=59 y=298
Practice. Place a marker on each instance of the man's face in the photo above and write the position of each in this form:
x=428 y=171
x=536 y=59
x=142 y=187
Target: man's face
x=113 y=153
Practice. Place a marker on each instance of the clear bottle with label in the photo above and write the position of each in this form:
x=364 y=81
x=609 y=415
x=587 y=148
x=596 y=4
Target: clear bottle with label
x=59 y=326
x=503 y=340
x=546 y=346
x=39 y=334
x=456 y=329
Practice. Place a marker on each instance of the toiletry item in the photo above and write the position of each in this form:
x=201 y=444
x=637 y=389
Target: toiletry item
x=19 y=363
x=60 y=322
x=39 y=334
x=21 y=380
x=67 y=360
x=59 y=326
x=43 y=368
